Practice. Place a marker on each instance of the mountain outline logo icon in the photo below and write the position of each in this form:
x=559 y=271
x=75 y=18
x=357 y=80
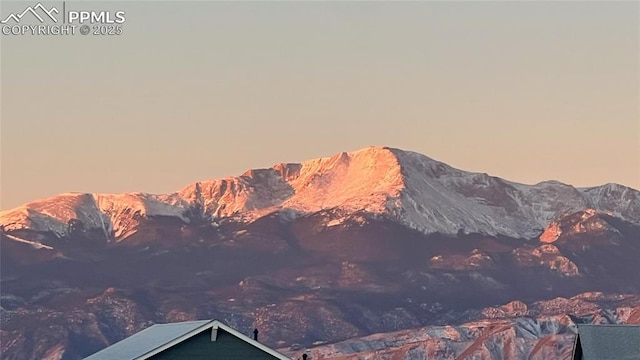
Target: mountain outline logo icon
x=33 y=10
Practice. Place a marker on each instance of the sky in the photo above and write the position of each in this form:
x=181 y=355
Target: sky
x=527 y=91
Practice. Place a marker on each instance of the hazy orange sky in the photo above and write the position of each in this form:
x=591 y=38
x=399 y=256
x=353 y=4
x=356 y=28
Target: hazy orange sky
x=528 y=91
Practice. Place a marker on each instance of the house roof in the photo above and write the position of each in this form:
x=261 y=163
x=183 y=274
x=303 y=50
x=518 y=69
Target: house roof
x=608 y=342
x=160 y=337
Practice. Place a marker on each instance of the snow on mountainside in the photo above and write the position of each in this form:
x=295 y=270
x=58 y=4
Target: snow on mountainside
x=419 y=192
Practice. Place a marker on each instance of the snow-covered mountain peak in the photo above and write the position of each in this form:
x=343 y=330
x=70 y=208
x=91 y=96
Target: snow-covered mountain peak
x=363 y=179
x=425 y=165
x=405 y=186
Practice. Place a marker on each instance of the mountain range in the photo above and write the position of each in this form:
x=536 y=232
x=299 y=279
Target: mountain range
x=376 y=241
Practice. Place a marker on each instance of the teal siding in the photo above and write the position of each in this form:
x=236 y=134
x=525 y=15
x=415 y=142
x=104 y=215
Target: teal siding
x=226 y=347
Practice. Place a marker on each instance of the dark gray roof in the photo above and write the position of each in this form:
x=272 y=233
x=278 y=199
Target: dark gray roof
x=147 y=340
x=609 y=342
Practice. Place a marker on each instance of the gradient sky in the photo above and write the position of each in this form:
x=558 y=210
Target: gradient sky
x=528 y=91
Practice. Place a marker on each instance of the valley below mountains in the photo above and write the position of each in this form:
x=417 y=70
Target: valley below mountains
x=379 y=253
